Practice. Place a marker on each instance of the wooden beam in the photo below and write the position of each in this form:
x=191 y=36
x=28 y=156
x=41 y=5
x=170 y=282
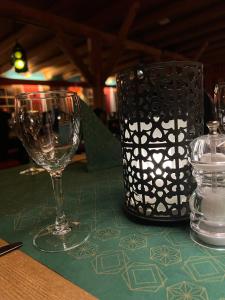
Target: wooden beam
x=107 y=13
x=18 y=11
x=97 y=70
x=216 y=55
x=125 y=65
x=170 y=54
x=70 y=74
x=188 y=23
x=9 y=42
x=190 y=35
x=75 y=59
x=170 y=10
x=6 y=67
x=201 y=51
x=215 y=48
x=56 y=60
x=119 y=44
x=7 y=81
x=43 y=46
x=50 y=72
x=195 y=44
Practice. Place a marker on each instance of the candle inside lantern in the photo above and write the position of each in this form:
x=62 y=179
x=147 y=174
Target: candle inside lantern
x=158 y=167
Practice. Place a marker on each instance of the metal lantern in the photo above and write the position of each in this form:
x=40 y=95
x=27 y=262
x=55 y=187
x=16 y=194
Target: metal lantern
x=161 y=111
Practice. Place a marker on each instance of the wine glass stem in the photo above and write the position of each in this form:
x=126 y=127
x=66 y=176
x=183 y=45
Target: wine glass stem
x=61 y=223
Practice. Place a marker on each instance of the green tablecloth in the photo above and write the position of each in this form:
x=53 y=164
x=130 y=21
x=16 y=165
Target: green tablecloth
x=122 y=260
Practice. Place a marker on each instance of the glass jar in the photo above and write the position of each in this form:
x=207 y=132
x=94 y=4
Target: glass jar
x=207 y=203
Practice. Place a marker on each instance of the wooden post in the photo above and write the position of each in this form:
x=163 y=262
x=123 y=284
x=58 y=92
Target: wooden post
x=75 y=59
x=96 y=67
x=201 y=51
x=119 y=44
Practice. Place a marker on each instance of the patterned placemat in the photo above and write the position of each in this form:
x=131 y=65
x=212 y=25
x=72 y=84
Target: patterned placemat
x=122 y=259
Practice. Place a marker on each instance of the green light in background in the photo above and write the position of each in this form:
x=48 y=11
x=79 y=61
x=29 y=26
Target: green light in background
x=19 y=59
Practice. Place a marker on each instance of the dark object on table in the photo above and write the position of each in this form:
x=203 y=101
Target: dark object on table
x=10 y=247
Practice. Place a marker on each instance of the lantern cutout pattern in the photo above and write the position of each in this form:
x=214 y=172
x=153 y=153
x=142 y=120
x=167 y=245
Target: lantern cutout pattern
x=161 y=111
x=19 y=59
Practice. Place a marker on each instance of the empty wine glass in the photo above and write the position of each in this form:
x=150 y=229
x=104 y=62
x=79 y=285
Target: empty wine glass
x=48 y=125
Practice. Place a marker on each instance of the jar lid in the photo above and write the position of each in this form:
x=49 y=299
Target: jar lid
x=208 y=151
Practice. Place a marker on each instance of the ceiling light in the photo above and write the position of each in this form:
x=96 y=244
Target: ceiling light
x=19 y=59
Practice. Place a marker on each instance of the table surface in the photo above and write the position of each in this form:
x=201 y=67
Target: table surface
x=22 y=277
x=122 y=259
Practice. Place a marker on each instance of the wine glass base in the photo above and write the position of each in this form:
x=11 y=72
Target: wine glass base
x=32 y=171
x=47 y=241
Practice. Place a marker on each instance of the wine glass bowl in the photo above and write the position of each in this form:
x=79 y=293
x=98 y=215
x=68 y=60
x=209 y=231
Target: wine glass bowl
x=49 y=126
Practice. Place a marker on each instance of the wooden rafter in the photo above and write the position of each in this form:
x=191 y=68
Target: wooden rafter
x=107 y=14
x=56 y=60
x=201 y=51
x=8 y=43
x=189 y=35
x=172 y=9
x=96 y=67
x=75 y=59
x=12 y=9
x=215 y=56
x=6 y=67
x=119 y=44
x=197 y=19
x=47 y=45
x=50 y=72
x=7 y=81
x=196 y=43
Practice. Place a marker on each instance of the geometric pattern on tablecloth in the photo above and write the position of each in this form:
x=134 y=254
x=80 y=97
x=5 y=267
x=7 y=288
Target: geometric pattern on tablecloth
x=204 y=269
x=186 y=291
x=107 y=234
x=165 y=262
x=218 y=256
x=109 y=262
x=144 y=277
x=133 y=241
x=178 y=238
x=84 y=251
x=165 y=255
x=22 y=221
x=26 y=219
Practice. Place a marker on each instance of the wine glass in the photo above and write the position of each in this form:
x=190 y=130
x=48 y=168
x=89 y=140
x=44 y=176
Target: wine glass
x=219 y=103
x=48 y=125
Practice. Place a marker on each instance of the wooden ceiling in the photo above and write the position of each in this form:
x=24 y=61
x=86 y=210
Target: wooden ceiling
x=64 y=38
